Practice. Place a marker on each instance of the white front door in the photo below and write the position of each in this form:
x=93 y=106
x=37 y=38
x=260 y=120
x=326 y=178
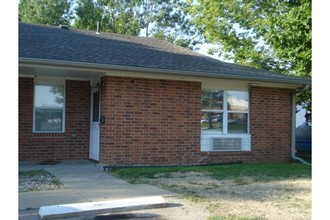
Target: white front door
x=94 y=147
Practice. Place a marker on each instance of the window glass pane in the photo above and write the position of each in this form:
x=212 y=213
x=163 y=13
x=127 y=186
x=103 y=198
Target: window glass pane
x=237 y=101
x=237 y=122
x=49 y=96
x=96 y=106
x=48 y=119
x=212 y=99
x=211 y=121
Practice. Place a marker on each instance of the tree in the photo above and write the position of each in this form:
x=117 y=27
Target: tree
x=87 y=14
x=274 y=35
x=163 y=19
x=116 y=16
x=119 y=16
x=168 y=20
x=52 y=12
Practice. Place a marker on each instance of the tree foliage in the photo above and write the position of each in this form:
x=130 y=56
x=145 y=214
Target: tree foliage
x=164 y=19
x=119 y=16
x=87 y=14
x=168 y=20
x=53 y=12
x=274 y=35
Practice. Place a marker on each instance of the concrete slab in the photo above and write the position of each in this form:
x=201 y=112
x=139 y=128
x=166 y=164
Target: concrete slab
x=32 y=200
x=102 y=207
x=85 y=182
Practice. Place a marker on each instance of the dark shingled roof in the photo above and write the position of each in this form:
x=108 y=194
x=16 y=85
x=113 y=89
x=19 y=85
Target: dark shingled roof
x=53 y=43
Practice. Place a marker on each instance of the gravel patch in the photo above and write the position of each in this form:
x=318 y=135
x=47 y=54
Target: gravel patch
x=38 y=180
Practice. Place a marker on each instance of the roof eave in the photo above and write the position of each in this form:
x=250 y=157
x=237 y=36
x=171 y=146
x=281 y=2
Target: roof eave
x=106 y=67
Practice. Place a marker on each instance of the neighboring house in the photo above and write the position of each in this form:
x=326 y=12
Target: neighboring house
x=125 y=100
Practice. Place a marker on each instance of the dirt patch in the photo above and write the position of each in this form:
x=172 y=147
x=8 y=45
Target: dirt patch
x=241 y=197
x=201 y=197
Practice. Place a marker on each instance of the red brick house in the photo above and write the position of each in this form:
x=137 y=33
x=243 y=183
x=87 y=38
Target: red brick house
x=125 y=100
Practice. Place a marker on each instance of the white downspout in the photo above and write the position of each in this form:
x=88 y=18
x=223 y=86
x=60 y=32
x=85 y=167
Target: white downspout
x=293 y=126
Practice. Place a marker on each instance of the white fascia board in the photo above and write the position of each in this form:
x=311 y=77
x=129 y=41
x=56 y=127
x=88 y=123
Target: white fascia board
x=151 y=72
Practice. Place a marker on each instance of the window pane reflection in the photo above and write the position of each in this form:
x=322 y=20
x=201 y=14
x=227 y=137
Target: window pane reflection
x=237 y=122
x=49 y=96
x=49 y=119
x=211 y=121
x=212 y=99
x=49 y=108
x=237 y=101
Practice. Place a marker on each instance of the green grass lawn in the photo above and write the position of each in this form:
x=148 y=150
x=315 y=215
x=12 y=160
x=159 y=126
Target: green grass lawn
x=33 y=173
x=260 y=172
x=239 y=174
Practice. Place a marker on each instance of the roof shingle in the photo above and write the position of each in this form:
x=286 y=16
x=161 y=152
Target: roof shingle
x=53 y=43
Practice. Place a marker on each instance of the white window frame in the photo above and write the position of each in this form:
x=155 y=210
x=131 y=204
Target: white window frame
x=49 y=81
x=226 y=111
x=206 y=137
x=216 y=111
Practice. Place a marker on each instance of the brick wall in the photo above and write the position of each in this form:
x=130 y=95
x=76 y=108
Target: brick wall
x=150 y=122
x=270 y=128
x=270 y=125
x=157 y=122
x=73 y=144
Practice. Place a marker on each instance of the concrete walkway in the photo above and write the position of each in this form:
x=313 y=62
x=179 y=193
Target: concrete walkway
x=85 y=182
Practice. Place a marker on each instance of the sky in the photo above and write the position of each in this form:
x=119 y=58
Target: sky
x=203 y=50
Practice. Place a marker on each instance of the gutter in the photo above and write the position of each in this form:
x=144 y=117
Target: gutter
x=293 y=125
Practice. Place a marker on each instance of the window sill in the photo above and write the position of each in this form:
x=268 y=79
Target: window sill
x=47 y=134
x=225 y=151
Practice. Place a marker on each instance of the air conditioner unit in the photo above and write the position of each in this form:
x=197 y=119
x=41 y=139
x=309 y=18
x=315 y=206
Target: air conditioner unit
x=226 y=143
x=230 y=143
